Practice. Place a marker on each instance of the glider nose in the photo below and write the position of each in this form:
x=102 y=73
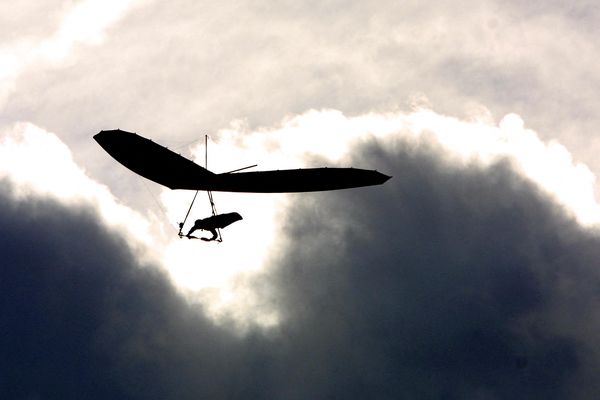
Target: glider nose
x=105 y=139
x=117 y=143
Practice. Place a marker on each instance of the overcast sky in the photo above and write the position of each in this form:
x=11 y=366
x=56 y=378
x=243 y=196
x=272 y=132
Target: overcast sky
x=472 y=273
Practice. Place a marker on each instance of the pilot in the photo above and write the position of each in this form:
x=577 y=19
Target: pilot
x=206 y=225
x=213 y=224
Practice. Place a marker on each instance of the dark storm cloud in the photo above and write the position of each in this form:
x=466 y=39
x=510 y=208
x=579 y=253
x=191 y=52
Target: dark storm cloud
x=445 y=282
x=81 y=318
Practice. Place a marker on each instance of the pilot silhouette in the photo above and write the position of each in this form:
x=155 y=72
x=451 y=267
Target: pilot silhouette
x=201 y=224
x=213 y=223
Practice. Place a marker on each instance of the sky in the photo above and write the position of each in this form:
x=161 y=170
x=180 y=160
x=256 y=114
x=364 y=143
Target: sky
x=472 y=273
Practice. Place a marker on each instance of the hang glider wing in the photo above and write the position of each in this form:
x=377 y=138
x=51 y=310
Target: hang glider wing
x=161 y=165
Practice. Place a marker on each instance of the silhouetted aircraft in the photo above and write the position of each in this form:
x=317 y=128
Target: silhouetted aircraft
x=161 y=165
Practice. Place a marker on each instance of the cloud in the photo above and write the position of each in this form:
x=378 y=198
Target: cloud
x=448 y=282
x=83 y=318
x=326 y=137
x=456 y=280
x=467 y=275
x=219 y=276
x=38 y=164
x=174 y=75
x=358 y=61
x=84 y=23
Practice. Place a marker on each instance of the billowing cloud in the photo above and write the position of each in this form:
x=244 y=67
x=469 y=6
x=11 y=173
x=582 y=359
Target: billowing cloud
x=448 y=282
x=38 y=164
x=179 y=70
x=328 y=137
x=82 y=317
x=454 y=279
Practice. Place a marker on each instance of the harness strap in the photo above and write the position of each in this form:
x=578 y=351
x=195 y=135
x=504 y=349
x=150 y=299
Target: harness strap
x=214 y=212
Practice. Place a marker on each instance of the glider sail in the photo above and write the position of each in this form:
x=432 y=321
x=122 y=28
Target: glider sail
x=161 y=165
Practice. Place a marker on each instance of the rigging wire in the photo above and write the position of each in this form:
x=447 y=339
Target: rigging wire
x=156 y=201
x=213 y=208
x=181 y=224
x=210 y=198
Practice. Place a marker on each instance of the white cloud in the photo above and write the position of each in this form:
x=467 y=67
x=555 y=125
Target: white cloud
x=38 y=163
x=85 y=23
x=332 y=135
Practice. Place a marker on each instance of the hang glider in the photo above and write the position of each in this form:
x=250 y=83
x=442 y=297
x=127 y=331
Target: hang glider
x=163 y=166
